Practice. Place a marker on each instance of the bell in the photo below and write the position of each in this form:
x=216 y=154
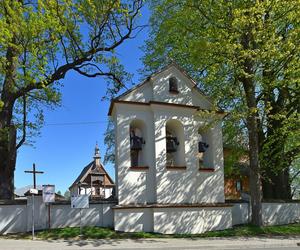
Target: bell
x=202 y=146
x=172 y=144
x=136 y=142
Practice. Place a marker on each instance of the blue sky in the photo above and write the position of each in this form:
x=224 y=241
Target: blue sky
x=61 y=151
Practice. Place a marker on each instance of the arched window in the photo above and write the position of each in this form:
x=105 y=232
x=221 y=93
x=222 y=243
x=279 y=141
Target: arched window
x=175 y=151
x=173 y=85
x=204 y=149
x=137 y=133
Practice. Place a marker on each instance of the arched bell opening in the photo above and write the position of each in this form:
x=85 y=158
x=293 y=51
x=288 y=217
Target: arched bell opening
x=137 y=132
x=175 y=143
x=173 y=85
x=204 y=149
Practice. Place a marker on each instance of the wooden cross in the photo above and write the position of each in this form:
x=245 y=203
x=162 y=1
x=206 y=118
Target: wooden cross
x=33 y=172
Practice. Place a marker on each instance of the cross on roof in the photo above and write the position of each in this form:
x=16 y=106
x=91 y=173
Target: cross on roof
x=33 y=172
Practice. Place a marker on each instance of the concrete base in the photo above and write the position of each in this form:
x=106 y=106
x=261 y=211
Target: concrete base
x=172 y=219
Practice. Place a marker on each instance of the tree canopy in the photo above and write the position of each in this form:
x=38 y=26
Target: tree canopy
x=246 y=55
x=40 y=42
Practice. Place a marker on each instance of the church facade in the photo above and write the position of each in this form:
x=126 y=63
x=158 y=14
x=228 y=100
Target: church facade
x=94 y=180
x=169 y=157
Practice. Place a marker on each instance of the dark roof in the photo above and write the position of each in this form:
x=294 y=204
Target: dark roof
x=83 y=172
x=89 y=169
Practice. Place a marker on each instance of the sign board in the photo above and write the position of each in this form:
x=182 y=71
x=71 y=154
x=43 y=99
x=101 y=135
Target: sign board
x=33 y=191
x=48 y=193
x=81 y=201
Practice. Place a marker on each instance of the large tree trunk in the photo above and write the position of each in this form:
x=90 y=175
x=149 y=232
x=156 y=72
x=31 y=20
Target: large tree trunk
x=7 y=146
x=253 y=135
x=7 y=162
x=7 y=130
x=255 y=178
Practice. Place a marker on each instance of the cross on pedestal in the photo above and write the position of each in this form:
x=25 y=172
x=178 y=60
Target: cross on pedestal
x=33 y=172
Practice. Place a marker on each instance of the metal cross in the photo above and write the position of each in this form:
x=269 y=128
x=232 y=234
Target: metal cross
x=33 y=172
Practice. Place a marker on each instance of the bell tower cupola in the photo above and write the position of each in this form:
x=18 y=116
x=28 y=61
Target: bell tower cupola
x=97 y=155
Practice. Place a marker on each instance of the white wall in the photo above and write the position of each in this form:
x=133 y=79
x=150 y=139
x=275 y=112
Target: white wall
x=133 y=220
x=240 y=213
x=172 y=220
x=157 y=89
x=158 y=184
x=190 y=185
x=272 y=213
x=280 y=213
x=134 y=186
x=18 y=218
x=187 y=95
x=141 y=94
x=40 y=212
x=13 y=218
x=100 y=215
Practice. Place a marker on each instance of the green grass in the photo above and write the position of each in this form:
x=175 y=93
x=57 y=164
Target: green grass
x=250 y=230
x=106 y=233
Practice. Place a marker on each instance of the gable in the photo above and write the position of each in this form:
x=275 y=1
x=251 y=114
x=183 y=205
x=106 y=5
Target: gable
x=188 y=92
x=140 y=93
x=83 y=173
x=89 y=170
x=156 y=88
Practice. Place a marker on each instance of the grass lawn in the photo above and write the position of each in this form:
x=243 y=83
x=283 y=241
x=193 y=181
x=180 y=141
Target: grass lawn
x=105 y=233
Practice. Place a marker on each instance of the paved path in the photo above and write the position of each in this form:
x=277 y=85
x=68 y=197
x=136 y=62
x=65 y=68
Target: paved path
x=172 y=244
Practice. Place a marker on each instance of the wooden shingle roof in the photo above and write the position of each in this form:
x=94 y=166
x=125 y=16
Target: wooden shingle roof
x=91 y=168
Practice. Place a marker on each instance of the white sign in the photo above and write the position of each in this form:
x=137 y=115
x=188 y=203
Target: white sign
x=33 y=191
x=81 y=201
x=48 y=193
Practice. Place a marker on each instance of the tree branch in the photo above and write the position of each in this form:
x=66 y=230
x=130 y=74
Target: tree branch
x=21 y=142
x=295 y=175
x=87 y=56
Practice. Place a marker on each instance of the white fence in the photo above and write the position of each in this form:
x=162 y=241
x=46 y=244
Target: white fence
x=13 y=218
x=273 y=213
x=17 y=216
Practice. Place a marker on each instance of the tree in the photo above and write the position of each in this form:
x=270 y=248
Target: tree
x=246 y=55
x=109 y=141
x=40 y=42
x=295 y=179
x=59 y=192
x=67 y=195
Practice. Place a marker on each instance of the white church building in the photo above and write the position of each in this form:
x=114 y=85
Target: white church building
x=169 y=157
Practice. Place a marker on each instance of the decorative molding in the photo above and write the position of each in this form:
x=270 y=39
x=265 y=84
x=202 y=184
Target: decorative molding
x=206 y=169
x=138 y=168
x=177 y=105
x=173 y=205
x=176 y=167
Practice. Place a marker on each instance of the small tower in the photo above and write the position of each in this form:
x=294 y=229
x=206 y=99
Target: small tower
x=94 y=180
x=97 y=155
x=158 y=125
